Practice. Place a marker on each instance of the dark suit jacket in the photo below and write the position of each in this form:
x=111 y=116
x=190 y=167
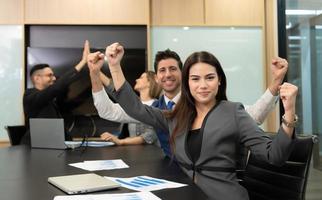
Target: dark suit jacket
x=163 y=136
x=42 y=103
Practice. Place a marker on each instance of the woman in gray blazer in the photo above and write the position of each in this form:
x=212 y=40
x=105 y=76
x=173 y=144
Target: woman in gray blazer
x=207 y=130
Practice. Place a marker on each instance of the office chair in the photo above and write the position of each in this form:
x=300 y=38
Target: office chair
x=288 y=182
x=15 y=133
x=124 y=132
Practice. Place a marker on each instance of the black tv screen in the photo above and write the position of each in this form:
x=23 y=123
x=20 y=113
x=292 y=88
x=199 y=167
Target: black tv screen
x=78 y=97
x=61 y=47
x=76 y=103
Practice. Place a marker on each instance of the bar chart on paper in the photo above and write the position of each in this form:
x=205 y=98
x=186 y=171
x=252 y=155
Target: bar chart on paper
x=145 y=183
x=140 y=181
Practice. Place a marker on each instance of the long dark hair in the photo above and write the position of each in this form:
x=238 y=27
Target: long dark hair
x=185 y=111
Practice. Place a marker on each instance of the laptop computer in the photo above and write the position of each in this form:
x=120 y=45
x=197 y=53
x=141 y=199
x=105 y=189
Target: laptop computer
x=48 y=133
x=82 y=183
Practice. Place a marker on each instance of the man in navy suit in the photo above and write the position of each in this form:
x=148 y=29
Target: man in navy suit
x=167 y=65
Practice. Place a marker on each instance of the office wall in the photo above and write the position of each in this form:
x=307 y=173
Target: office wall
x=11 y=12
x=207 y=12
x=87 y=12
x=152 y=13
x=11 y=64
x=11 y=76
x=271 y=51
x=239 y=50
x=179 y=12
x=234 y=13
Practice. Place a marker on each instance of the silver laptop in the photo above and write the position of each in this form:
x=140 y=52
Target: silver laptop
x=47 y=133
x=82 y=183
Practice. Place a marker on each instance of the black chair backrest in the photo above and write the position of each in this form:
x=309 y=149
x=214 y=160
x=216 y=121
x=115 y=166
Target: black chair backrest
x=124 y=132
x=15 y=133
x=288 y=182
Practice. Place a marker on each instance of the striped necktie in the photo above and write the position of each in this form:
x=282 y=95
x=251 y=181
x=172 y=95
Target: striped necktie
x=170 y=105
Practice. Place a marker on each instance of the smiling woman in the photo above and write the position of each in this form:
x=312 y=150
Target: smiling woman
x=206 y=86
x=203 y=84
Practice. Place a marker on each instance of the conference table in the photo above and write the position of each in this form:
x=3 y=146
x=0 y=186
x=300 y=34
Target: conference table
x=24 y=171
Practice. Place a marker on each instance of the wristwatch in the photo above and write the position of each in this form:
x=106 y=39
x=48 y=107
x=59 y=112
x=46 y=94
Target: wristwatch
x=290 y=124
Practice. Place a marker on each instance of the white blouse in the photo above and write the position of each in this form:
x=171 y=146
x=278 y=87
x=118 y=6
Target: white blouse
x=109 y=110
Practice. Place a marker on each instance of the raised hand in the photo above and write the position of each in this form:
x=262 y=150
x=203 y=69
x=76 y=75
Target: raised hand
x=86 y=51
x=278 y=68
x=288 y=93
x=83 y=61
x=114 y=54
x=95 y=62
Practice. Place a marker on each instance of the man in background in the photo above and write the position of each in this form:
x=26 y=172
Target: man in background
x=40 y=101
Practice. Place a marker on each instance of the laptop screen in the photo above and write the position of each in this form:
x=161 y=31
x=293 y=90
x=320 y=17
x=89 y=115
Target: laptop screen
x=47 y=133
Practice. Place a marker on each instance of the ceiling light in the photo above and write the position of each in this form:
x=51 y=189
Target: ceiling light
x=303 y=12
x=296 y=37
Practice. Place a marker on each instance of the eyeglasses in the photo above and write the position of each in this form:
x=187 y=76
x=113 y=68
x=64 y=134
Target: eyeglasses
x=51 y=75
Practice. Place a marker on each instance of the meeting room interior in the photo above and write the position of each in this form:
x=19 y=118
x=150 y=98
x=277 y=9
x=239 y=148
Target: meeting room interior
x=63 y=110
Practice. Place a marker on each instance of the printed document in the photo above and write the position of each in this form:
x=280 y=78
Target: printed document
x=95 y=165
x=145 y=183
x=122 y=196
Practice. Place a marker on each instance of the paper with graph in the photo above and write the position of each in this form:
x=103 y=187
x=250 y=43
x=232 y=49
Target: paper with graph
x=95 y=165
x=145 y=183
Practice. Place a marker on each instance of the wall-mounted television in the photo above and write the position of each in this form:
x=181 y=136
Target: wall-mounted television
x=78 y=97
x=61 y=47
